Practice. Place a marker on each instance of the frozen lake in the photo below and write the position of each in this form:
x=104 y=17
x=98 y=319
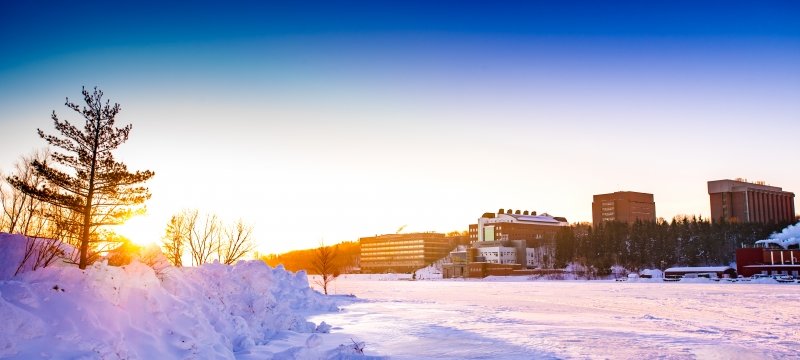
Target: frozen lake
x=459 y=319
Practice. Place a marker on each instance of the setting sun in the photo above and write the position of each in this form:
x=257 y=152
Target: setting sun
x=140 y=230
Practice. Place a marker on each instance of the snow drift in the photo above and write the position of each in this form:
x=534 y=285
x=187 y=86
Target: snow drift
x=130 y=312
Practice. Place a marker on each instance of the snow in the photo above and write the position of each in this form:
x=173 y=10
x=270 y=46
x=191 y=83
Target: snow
x=215 y=311
x=699 y=269
x=13 y=250
x=250 y=311
x=519 y=319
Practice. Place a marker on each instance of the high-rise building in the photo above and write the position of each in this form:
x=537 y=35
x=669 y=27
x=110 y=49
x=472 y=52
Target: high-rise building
x=624 y=206
x=739 y=200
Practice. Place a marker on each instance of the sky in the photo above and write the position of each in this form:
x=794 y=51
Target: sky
x=325 y=122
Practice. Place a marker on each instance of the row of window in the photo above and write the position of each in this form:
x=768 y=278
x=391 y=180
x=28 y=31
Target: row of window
x=395 y=242
x=390 y=248
x=390 y=258
x=501 y=262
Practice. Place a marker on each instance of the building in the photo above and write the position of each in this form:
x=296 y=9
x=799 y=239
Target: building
x=739 y=200
x=527 y=238
x=770 y=257
x=516 y=225
x=499 y=254
x=403 y=252
x=623 y=206
x=711 y=272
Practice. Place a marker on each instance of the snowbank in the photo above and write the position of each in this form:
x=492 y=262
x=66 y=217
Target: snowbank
x=208 y=312
x=13 y=248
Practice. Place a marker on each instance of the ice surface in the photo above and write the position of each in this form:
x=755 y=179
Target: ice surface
x=466 y=319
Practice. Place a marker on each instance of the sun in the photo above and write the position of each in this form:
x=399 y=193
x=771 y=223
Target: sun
x=141 y=230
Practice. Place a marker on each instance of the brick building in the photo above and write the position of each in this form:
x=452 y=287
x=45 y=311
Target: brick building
x=516 y=225
x=624 y=206
x=532 y=237
x=739 y=200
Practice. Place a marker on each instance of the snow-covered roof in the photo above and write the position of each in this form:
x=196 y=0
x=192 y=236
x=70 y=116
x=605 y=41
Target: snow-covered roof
x=769 y=266
x=783 y=243
x=699 y=269
x=536 y=218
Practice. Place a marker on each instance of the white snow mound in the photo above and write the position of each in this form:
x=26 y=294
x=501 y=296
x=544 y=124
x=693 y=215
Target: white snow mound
x=106 y=312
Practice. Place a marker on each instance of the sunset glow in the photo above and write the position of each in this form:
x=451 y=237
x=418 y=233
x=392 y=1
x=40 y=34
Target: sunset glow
x=400 y=180
x=312 y=130
x=140 y=230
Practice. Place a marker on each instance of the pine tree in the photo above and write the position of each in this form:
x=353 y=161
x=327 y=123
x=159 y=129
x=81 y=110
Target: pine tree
x=94 y=185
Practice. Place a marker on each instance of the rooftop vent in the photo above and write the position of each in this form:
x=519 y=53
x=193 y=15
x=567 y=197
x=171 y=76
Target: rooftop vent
x=525 y=212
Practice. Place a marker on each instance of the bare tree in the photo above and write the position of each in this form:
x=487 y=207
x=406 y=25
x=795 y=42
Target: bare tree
x=24 y=214
x=175 y=239
x=204 y=239
x=94 y=185
x=325 y=265
x=236 y=242
x=19 y=208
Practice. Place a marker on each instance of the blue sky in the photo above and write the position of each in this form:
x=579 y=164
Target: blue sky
x=415 y=113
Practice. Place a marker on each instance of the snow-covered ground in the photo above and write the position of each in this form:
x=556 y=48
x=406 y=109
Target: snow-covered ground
x=251 y=311
x=244 y=311
x=505 y=319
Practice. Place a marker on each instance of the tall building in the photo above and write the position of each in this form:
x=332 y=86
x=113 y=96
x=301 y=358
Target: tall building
x=403 y=252
x=624 y=206
x=739 y=200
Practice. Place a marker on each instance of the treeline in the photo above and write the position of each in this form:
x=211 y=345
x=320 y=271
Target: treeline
x=684 y=241
x=345 y=257
x=205 y=238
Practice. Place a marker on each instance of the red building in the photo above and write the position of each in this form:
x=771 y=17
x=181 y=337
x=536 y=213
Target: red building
x=624 y=206
x=751 y=261
x=738 y=200
x=536 y=230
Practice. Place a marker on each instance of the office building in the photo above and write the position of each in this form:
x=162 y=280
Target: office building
x=623 y=206
x=742 y=201
x=403 y=252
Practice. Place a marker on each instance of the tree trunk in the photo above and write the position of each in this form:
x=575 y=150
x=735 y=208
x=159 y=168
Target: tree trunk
x=87 y=209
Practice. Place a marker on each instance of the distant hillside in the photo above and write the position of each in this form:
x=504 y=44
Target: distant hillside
x=347 y=256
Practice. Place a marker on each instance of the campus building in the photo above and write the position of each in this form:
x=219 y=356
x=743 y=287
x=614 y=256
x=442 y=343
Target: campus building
x=516 y=237
x=739 y=200
x=623 y=206
x=403 y=252
x=516 y=225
